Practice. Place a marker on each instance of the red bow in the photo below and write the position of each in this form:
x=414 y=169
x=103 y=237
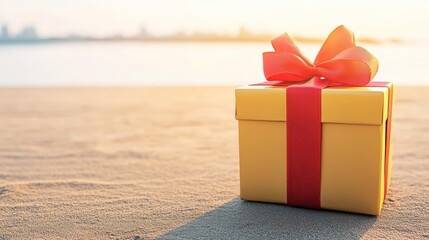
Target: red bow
x=339 y=61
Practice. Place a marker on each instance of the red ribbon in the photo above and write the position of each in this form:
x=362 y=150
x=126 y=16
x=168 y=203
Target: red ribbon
x=339 y=62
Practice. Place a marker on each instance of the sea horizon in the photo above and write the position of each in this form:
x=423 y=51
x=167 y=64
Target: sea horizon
x=131 y=64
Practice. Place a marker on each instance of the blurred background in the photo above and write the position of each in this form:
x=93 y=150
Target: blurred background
x=195 y=42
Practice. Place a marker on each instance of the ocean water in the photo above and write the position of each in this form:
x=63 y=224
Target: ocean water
x=175 y=63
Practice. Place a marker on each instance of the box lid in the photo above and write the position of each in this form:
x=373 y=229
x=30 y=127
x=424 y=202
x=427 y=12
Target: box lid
x=352 y=105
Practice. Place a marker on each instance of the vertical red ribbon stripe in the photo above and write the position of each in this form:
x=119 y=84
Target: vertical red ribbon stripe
x=304 y=130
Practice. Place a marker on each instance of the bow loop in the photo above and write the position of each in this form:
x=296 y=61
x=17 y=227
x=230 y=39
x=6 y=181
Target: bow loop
x=339 y=61
x=339 y=40
x=284 y=43
x=286 y=66
x=361 y=54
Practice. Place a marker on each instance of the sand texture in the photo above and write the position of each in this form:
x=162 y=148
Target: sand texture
x=138 y=163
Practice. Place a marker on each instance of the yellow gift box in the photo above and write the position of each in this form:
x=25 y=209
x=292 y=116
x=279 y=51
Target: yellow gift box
x=354 y=167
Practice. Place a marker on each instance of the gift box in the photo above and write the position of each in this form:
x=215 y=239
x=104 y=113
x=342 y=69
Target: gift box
x=355 y=160
x=319 y=145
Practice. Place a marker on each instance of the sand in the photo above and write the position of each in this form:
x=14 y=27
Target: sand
x=137 y=163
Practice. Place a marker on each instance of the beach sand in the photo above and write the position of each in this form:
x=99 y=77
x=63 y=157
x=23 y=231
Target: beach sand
x=137 y=163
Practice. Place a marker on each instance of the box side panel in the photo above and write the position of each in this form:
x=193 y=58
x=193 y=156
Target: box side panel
x=262 y=161
x=353 y=168
x=389 y=167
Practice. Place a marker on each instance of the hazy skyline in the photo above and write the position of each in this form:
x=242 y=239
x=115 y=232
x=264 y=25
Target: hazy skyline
x=376 y=19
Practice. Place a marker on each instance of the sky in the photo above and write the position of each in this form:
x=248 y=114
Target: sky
x=382 y=19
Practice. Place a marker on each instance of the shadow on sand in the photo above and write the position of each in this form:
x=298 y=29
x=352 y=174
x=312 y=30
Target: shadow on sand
x=249 y=220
